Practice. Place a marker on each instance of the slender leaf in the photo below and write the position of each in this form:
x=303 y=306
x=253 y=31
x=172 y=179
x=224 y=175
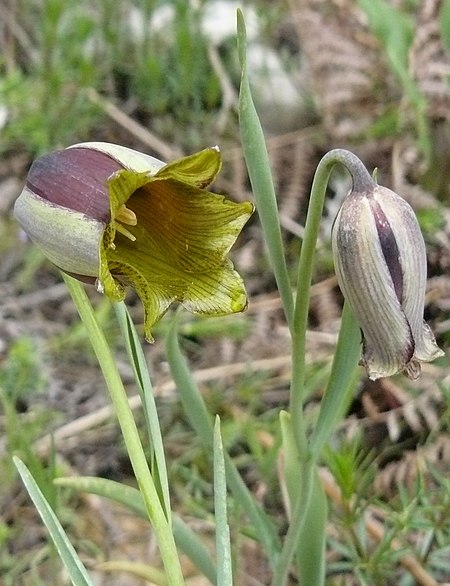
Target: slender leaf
x=223 y=547
x=65 y=549
x=258 y=166
x=341 y=384
x=144 y=384
x=131 y=498
x=299 y=477
x=197 y=413
x=312 y=519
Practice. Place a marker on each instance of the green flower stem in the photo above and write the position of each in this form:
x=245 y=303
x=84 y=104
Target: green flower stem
x=308 y=509
x=360 y=177
x=306 y=530
x=130 y=433
x=342 y=376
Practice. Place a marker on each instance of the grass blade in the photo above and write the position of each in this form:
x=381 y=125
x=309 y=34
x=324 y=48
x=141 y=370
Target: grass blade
x=65 y=549
x=131 y=498
x=258 y=166
x=144 y=384
x=197 y=413
x=223 y=547
x=341 y=384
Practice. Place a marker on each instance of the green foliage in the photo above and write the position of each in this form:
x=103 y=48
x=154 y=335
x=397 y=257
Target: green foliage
x=109 y=47
x=44 y=94
x=431 y=221
x=395 y=30
x=132 y=499
x=445 y=23
x=21 y=374
x=21 y=377
x=69 y=557
x=351 y=468
x=418 y=522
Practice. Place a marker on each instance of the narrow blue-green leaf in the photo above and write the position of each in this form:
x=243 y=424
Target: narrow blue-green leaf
x=299 y=478
x=144 y=384
x=341 y=384
x=309 y=511
x=191 y=398
x=223 y=546
x=312 y=540
x=258 y=166
x=131 y=498
x=65 y=549
x=201 y=421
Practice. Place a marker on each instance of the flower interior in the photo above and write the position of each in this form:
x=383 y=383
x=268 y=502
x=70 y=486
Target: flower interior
x=169 y=240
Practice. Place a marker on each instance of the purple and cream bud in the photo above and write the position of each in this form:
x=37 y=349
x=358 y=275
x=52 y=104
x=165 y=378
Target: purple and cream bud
x=381 y=266
x=65 y=205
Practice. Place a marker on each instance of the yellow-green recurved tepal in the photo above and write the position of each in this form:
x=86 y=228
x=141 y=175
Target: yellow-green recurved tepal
x=113 y=216
x=381 y=266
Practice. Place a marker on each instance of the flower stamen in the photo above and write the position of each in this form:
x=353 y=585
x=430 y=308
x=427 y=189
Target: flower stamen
x=125 y=216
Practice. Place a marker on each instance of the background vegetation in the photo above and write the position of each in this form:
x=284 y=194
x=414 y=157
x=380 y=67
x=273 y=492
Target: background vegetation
x=163 y=77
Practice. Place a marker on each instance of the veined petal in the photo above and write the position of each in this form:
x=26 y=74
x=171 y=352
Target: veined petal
x=213 y=293
x=426 y=347
x=193 y=230
x=178 y=247
x=367 y=284
x=74 y=179
x=199 y=169
x=381 y=267
x=412 y=253
x=217 y=292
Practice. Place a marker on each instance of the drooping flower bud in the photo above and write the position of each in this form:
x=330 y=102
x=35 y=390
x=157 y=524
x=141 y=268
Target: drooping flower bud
x=381 y=267
x=113 y=216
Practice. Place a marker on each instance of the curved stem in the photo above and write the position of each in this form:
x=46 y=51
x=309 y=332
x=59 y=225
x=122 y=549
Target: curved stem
x=304 y=458
x=362 y=181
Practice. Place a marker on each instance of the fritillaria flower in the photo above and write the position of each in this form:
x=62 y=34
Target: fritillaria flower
x=381 y=267
x=113 y=216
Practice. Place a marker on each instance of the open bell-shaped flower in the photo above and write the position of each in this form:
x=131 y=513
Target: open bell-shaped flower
x=113 y=216
x=381 y=267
